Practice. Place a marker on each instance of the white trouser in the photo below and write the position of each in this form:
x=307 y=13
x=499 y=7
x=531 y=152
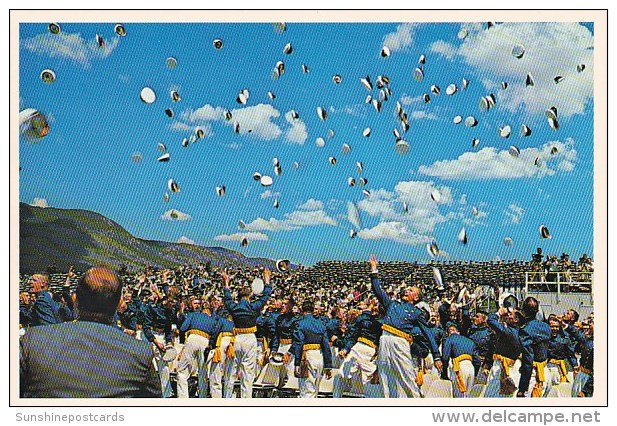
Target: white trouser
x=217 y=371
x=546 y=386
x=579 y=383
x=162 y=366
x=493 y=381
x=284 y=370
x=429 y=365
x=191 y=361
x=469 y=376
x=261 y=357
x=244 y=363
x=309 y=386
x=554 y=376
x=355 y=370
x=397 y=368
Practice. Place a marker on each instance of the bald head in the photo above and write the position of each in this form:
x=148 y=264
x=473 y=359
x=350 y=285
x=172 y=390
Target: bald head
x=98 y=293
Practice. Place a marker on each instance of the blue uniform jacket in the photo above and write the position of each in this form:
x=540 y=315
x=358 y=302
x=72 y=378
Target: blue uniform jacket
x=45 y=309
x=266 y=327
x=311 y=330
x=407 y=318
x=285 y=326
x=560 y=347
x=223 y=325
x=506 y=341
x=367 y=326
x=481 y=336
x=157 y=317
x=202 y=322
x=534 y=337
x=586 y=344
x=244 y=312
x=456 y=345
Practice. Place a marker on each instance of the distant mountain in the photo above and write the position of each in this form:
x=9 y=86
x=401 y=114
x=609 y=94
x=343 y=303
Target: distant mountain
x=50 y=236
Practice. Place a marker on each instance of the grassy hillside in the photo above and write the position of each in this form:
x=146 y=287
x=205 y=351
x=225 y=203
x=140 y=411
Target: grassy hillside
x=49 y=236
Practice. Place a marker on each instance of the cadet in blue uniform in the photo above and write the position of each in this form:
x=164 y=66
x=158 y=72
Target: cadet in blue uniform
x=583 y=376
x=128 y=314
x=157 y=318
x=199 y=328
x=560 y=352
x=45 y=310
x=534 y=336
x=266 y=329
x=402 y=324
x=285 y=324
x=503 y=376
x=480 y=333
x=465 y=361
x=359 y=354
x=244 y=342
x=311 y=350
x=219 y=364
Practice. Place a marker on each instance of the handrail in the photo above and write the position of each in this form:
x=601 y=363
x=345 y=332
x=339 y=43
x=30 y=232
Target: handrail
x=564 y=281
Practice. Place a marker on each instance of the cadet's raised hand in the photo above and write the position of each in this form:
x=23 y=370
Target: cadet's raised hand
x=373 y=262
x=226 y=278
x=267 y=274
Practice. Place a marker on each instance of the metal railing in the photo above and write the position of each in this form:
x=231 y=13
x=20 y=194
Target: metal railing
x=559 y=282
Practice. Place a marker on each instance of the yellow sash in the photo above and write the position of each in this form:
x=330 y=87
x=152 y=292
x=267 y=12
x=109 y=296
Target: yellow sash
x=198 y=333
x=420 y=373
x=217 y=350
x=540 y=379
x=262 y=361
x=563 y=371
x=367 y=342
x=585 y=370
x=397 y=332
x=230 y=352
x=456 y=366
x=285 y=341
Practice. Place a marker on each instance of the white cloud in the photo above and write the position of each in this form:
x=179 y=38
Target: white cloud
x=408 y=99
x=269 y=194
x=402 y=38
x=298 y=219
x=40 y=202
x=423 y=213
x=234 y=145
x=551 y=49
x=565 y=166
x=394 y=231
x=185 y=240
x=463 y=199
x=423 y=115
x=205 y=113
x=297 y=132
x=513 y=214
x=257 y=120
x=251 y=236
x=70 y=46
x=489 y=163
x=175 y=215
x=443 y=48
x=272 y=224
x=311 y=204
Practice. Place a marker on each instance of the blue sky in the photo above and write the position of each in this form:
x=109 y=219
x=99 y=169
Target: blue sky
x=98 y=122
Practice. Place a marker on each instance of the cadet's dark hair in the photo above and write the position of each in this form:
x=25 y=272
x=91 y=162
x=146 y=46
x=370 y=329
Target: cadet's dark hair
x=530 y=307
x=98 y=294
x=308 y=306
x=574 y=315
x=245 y=292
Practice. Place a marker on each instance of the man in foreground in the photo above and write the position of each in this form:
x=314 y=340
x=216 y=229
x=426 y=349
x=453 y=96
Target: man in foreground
x=88 y=358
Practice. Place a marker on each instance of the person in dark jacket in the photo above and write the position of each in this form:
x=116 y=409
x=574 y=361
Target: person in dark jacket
x=90 y=357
